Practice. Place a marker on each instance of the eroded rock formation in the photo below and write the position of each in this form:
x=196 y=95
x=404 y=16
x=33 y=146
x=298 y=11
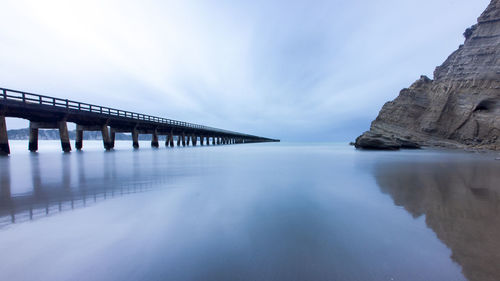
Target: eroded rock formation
x=460 y=108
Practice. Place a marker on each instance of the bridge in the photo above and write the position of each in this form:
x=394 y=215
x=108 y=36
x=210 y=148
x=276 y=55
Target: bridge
x=45 y=112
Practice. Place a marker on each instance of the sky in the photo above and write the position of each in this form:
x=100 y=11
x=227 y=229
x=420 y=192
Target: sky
x=313 y=71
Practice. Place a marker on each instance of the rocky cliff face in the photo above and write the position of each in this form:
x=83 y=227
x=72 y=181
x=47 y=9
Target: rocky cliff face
x=460 y=108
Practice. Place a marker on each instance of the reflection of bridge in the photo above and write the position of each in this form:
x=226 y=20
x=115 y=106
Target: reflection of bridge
x=46 y=112
x=28 y=207
x=48 y=194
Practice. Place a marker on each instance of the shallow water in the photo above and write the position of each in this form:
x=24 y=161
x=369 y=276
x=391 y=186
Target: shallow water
x=248 y=212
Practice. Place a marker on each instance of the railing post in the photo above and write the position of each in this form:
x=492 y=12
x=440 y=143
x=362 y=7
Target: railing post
x=67 y=104
x=24 y=97
x=4 y=94
x=40 y=99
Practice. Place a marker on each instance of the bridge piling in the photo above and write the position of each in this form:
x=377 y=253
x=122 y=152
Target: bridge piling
x=171 y=138
x=183 y=139
x=178 y=140
x=135 y=138
x=106 y=139
x=154 y=139
x=112 y=137
x=33 y=139
x=4 y=139
x=79 y=139
x=63 y=133
x=201 y=140
x=194 y=139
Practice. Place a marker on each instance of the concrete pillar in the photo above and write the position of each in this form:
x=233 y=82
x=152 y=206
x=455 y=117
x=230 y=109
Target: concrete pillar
x=33 y=141
x=171 y=137
x=183 y=139
x=194 y=139
x=179 y=140
x=63 y=133
x=79 y=139
x=112 y=137
x=106 y=139
x=135 y=138
x=154 y=139
x=218 y=140
x=213 y=140
x=4 y=139
x=188 y=139
x=202 y=140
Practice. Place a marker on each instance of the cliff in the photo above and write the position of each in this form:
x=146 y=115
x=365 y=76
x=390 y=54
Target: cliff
x=459 y=108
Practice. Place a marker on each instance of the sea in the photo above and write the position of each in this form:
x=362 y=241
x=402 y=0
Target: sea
x=264 y=211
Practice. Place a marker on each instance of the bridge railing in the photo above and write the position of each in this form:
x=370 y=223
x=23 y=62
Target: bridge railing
x=30 y=98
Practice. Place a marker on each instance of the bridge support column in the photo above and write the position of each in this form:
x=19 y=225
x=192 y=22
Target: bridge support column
x=4 y=139
x=201 y=140
x=170 y=139
x=33 y=140
x=63 y=133
x=183 y=139
x=194 y=139
x=154 y=139
x=218 y=140
x=106 y=139
x=112 y=137
x=135 y=139
x=179 y=140
x=79 y=139
x=213 y=140
x=188 y=139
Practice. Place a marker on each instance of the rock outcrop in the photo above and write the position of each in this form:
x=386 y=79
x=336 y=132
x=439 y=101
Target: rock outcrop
x=460 y=108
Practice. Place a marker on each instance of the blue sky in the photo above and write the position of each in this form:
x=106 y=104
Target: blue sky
x=295 y=70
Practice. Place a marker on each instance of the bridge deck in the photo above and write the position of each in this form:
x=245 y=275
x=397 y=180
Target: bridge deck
x=49 y=111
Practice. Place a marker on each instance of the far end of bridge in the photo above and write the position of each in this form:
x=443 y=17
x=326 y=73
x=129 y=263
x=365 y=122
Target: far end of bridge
x=45 y=112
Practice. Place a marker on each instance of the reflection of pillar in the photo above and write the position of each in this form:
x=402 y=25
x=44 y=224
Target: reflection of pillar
x=79 y=139
x=63 y=133
x=33 y=141
x=135 y=138
x=4 y=139
x=154 y=139
x=5 y=183
x=36 y=176
x=106 y=139
x=66 y=172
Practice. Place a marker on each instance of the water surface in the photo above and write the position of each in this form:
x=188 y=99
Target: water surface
x=248 y=212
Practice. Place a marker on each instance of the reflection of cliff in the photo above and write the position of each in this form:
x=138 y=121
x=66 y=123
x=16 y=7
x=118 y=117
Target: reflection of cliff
x=461 y=202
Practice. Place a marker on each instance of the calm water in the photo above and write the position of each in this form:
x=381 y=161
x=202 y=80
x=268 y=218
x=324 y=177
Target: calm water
x=248 y=212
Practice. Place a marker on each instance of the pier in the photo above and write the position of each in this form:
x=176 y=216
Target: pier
x=45 y=112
